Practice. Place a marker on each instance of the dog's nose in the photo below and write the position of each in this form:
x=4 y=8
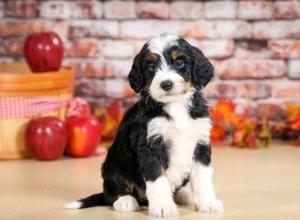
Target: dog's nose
x=166 y=85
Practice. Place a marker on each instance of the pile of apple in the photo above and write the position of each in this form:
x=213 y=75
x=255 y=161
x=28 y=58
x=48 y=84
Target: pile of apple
x=49 y=137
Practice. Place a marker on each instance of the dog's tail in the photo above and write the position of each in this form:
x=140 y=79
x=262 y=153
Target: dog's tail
x=93 y=200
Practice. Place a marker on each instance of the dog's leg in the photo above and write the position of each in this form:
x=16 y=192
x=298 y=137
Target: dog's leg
x=161 y=203
x=116 y=192
x=201 y=181
x=153 y=159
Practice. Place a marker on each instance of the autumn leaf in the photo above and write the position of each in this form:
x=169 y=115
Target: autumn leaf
x=245 y=135
x=295 y=123
x=225 y=119
x=217 y=133
x=293 y=111
x=110 y=119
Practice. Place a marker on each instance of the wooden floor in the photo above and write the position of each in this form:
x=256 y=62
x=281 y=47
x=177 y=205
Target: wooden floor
x=253 y=184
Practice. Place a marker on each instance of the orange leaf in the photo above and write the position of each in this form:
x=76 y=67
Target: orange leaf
x=295 y=123
x=293 y=111
x=110 y=118
x=217 y=133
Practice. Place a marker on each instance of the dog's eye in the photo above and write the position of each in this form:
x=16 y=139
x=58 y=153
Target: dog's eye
x=151 y=67
x=179 y=64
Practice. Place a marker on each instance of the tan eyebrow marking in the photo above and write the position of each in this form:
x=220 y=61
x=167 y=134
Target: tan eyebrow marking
x=175 y=54
x=151 y=57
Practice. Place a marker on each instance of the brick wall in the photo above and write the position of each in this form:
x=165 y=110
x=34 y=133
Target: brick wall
x=254 y=45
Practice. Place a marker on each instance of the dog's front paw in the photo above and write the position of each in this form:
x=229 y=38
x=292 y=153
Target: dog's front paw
x=209 y=204
x=163 y=210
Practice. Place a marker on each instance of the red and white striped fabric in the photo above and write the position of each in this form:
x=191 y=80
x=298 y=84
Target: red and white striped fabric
x=20 y=107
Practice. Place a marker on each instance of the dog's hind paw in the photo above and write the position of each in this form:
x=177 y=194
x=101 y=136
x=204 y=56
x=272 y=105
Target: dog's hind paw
x=126 y=204
x=210 y=204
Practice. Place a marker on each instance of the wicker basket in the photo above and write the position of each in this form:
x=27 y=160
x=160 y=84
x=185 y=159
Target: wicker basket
x=16 y=80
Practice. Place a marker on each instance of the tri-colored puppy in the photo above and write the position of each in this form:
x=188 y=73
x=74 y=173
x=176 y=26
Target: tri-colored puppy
x=162 y=151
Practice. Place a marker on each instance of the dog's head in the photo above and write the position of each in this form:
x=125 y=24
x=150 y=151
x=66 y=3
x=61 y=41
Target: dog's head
x=168 y=67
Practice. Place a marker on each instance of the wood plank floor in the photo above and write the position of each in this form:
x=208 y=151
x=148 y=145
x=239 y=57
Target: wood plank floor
x=253 y=184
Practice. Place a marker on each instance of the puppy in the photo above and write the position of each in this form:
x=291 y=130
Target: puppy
x=162 y=150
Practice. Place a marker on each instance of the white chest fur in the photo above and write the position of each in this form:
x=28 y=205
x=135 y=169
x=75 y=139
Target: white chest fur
x=183 y=133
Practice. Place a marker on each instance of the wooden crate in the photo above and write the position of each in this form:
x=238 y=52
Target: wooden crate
x=16 y=80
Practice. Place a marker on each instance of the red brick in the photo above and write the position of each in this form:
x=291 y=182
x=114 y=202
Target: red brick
x=220 y=9
x=287 y=89
x=186 y=10
x=101 y=103
x=285 y=48
x=1 y=9
x=98 y=69
x=60 y=27
x=217 y=89
x=86 y=9
x=145 y=29
x=243 y=50
x=13 y=47
x=250 y=69
x=119 y=9
x=294 y=69
x=286 y=9
x=252 y=49
x=254 y=90
x=217 y=29
x=89 y=87
x=2 y=51
x=105 y=102
x=217 y=48
x=55 y=9
x=276 y=29
x=73 y=64
x=83 y=48
x=276 y=111
x=19 y=28
x=108 y=68
x=118 y=49
x=19 y=8
x=10 y=28
x=138 y=45
x=157 y=9
x=99 y=29
x=252 y=10
x=117 y=88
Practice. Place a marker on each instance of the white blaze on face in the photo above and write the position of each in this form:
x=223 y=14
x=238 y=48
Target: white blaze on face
x=158 y=93
x=157 y=46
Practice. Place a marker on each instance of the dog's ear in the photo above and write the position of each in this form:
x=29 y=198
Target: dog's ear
x=203 y=70
x=135 y=77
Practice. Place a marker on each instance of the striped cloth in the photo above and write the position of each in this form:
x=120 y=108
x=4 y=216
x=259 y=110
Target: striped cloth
x=21 y=107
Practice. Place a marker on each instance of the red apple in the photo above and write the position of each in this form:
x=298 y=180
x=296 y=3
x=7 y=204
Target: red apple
x=84 y=134
x=46 y=138
x=43 y=51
